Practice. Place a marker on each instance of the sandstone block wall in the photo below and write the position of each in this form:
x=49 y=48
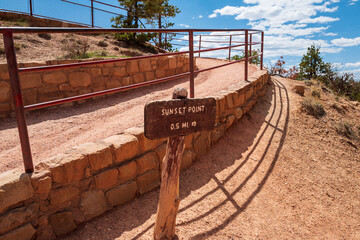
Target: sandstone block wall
x=92 y=178
x=56 y=84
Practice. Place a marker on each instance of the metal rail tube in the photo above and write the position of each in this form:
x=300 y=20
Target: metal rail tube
x=81 y=64
x=31 y=9
x=246 y=55
x=199 y=45
x=250 y=46
x=230 y=47
x=18 y=101
x=262 y=51
x=92 y=13
x=106 y=4
x=219 y=66
x=104 y=30
x=191 y=63
x=220 y=48
x=100 y=93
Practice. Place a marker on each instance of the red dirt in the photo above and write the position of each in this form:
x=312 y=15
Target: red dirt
x=278 y=173
x=54 y=131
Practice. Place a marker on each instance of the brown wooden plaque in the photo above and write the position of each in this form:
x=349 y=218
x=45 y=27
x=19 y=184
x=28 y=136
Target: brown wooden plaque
x=179 y=117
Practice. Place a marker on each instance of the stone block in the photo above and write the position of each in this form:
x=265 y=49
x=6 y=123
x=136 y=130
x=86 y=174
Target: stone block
x=132 y=66
x=230 y=120
x=18 y=217
x=249 y=93
x=106 y=71
x=48 y=89
x=240 y=99
x=149 y=76
x=29 y=96
x=127 y=81
x=160 y=73
x=99 y=155
x=67 y=168
x=217 y=133
x=187 y=159
x=62 y=222
x=127 y=172
x=144 y=143
x=113 y=83
x=4 y=75
x=121 y=194
x=229 y=101
x=138 y=78
x=238 y=112
x=30 y=80
x=56 y=77
x=148 y=181
x=63 y=194
x=119 y=72
x=125 y=146
x=119 y=64
x=99 y=81
x=107 y=179
x=4 y=91
x=189 y=141
x=14 y=188
x=145 y=65
x=80 y=79
x=26 y=232
x=65 y=87
x=43 y=187
x=163 y=63
x=201 y=145
x=93 y=204
x=4 y=107
x=95 y=72
x=147 y=162
x=161 y=151
x=172 y=62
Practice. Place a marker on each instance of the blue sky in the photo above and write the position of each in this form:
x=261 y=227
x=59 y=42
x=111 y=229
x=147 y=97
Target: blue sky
x=290 y=25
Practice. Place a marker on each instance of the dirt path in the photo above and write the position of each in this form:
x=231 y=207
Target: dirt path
x=276 y=174
x=54 y=131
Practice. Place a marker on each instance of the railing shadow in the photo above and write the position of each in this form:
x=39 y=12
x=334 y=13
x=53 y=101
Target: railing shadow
x=139 y=211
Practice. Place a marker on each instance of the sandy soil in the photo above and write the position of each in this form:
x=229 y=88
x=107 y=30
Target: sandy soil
x=278 y=173
x=54 y=131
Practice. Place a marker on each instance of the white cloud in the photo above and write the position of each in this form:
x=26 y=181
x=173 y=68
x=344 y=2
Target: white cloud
x=352 y=65
x=184 y=25
x=330 y=34
x=200 y=16
x=346 y=42
x=320 y=19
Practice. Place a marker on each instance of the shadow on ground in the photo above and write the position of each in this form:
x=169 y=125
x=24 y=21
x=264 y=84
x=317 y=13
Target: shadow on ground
x=138 y=216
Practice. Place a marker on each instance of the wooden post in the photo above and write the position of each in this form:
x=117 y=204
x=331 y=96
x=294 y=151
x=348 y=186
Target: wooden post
x=169 y=199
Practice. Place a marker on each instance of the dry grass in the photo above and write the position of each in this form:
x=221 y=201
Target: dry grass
x=346 y=129
x=313 y=108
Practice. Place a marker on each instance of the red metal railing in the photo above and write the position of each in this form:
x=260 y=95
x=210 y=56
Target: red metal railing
x=14 y=71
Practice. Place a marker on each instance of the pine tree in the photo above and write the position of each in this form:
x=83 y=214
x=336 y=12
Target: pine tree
x=312 y=65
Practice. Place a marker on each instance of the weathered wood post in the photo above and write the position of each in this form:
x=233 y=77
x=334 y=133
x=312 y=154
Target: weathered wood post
x=169 y=199
x=174 y=119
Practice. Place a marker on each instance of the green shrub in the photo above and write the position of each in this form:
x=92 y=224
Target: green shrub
x=103 y=44
x=45 y=36
x=345 y=129
x=313 y=108
x=316 y=93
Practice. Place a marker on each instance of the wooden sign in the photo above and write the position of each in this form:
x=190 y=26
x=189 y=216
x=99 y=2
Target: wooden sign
x=179 y=117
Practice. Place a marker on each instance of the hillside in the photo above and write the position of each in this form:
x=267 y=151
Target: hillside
x=42 y=47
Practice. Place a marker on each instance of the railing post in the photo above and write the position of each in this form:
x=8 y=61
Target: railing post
x=250 y=47
x=262 y=51
x=230 y=47
x=199 y=45
x=246 y=55
x=31 y=10
x=92 y=13
x=165 y=42
x=18 y=101
x=191 y=62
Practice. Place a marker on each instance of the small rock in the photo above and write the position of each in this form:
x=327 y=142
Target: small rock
x=299 y=89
